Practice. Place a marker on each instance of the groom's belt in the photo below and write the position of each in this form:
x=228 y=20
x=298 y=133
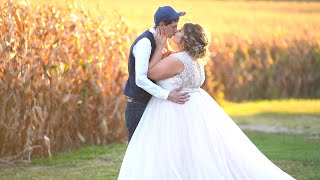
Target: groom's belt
x=130 y=99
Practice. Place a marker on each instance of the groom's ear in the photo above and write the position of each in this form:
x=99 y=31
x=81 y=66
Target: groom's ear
x=161 y=24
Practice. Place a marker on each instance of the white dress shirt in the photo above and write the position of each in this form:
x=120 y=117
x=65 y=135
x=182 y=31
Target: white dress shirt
x=142 y=52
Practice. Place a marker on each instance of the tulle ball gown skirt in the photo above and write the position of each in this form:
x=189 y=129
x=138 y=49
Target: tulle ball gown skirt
x=193 y=141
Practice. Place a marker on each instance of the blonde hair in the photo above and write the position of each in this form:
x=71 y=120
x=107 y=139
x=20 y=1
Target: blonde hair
x=195 y=40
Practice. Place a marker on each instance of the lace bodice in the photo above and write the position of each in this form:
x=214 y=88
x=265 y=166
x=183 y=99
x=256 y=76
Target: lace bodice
x=192 y=77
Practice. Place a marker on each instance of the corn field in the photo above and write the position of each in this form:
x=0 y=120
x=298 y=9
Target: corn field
x=248 y=69
x=61 y=78
x=62 y=72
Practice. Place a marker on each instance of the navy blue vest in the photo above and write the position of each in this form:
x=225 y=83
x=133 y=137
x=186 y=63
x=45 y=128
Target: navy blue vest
x=131 y=89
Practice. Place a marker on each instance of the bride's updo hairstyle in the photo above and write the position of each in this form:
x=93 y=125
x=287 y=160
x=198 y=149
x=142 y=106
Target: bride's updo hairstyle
x=195 y=40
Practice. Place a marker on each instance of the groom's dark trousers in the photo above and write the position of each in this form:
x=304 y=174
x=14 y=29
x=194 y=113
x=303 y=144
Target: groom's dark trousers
x=133 y=114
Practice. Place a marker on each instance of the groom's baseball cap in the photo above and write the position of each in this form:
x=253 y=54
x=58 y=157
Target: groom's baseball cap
x=166 y=13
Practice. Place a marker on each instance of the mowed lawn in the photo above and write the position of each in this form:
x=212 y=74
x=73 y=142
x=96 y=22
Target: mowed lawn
x=297 y=154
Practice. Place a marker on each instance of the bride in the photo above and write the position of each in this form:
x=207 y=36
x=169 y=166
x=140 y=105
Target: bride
x=196 y=140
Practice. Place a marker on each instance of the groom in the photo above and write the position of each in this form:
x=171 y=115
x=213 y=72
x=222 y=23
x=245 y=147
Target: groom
x=139 y=89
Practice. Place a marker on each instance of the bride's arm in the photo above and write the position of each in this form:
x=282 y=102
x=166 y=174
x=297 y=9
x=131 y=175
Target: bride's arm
x=156 y=57
x=161 y=42
x=162 y=69
x=165 y=68
x=158 y=54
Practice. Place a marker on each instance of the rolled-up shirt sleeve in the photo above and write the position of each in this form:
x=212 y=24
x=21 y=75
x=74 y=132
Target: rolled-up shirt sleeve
x=141 y=52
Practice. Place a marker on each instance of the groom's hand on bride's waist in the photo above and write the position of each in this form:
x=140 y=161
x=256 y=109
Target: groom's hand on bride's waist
x=178 y=97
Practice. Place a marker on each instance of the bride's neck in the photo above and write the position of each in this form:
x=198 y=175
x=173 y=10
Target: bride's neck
x=180 y=48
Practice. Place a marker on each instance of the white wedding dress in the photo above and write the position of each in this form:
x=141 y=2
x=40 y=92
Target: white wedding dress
x=193 y=141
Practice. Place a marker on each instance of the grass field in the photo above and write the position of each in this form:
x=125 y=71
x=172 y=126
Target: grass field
x=302 y=115
x=297 y=154
x=292 y=153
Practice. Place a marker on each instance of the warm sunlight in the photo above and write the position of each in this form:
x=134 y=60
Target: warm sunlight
x=64 y=66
